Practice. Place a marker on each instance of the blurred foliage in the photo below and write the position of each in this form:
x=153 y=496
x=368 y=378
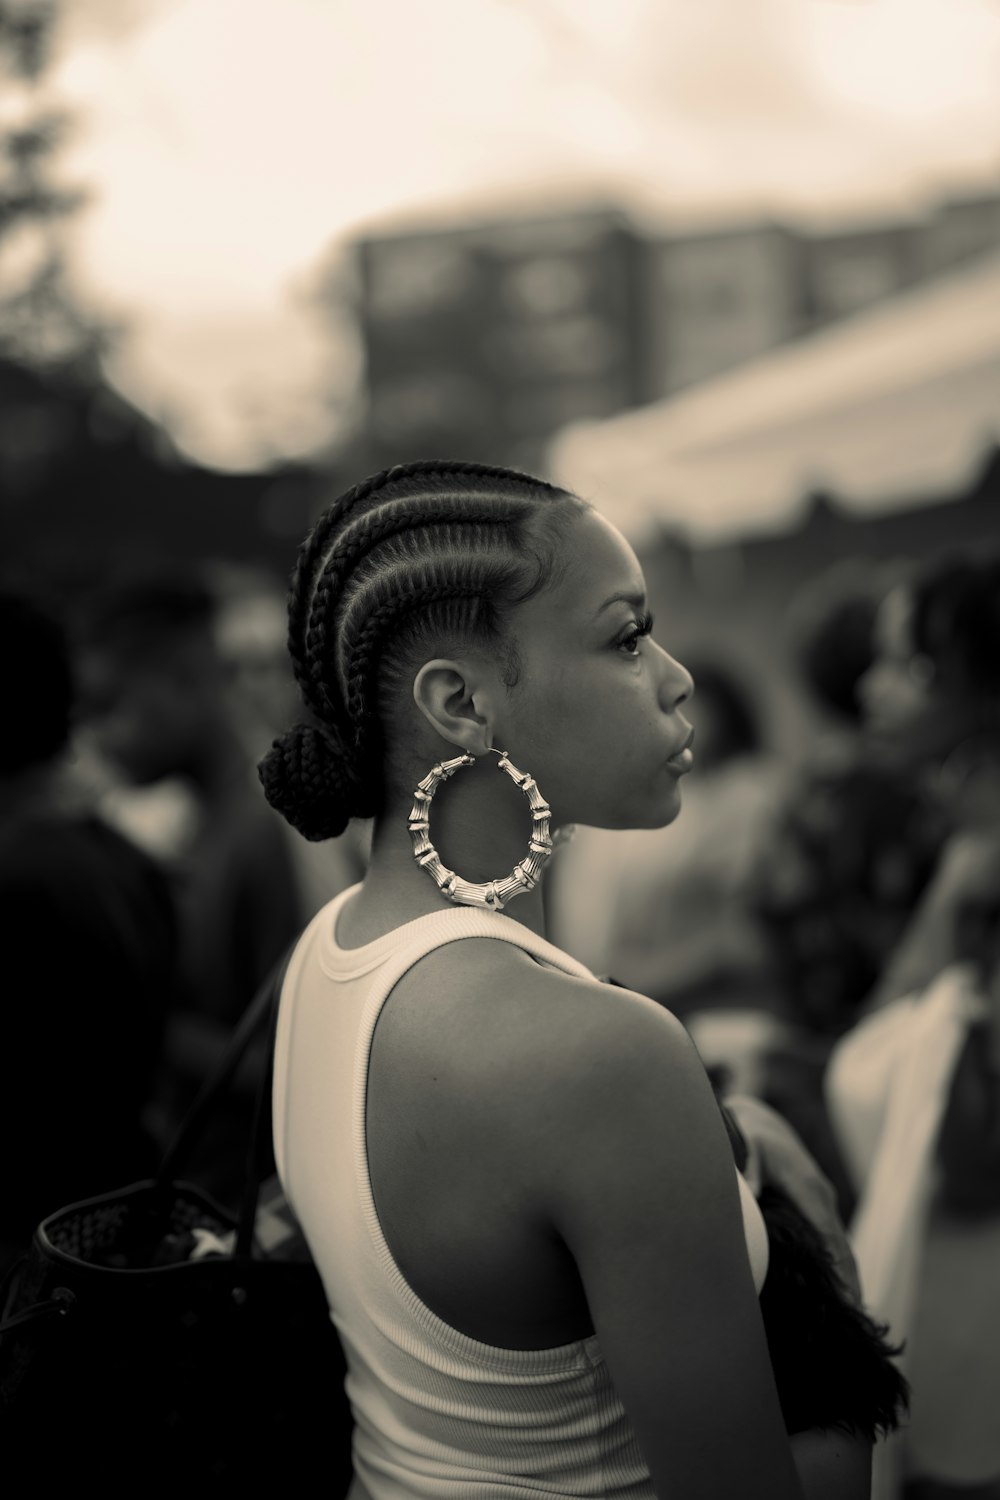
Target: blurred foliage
x=42 y=323
x=89 y=485
x=26 y=30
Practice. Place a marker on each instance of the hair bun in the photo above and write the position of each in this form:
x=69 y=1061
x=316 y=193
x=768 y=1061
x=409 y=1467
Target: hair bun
x=307 y=777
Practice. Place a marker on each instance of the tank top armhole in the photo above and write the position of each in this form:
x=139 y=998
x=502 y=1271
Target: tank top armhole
x=462 y=923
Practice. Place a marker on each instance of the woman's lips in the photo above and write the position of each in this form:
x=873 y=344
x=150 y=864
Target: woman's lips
x=682 y=760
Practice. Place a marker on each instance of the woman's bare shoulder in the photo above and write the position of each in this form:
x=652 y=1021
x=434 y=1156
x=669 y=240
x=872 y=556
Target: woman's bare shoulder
x=481 y=979
x=565 y=1046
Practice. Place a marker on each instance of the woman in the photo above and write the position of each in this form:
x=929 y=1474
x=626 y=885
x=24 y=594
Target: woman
x=515 y=1180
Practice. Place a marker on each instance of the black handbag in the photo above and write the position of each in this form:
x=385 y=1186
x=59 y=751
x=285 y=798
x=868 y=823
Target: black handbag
x=150 y=1337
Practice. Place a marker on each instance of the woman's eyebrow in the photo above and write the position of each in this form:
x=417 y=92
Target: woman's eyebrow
x=637 y=600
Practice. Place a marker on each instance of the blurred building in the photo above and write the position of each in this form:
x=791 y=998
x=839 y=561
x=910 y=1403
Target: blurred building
x=716 y=298
x=958 y=230
x=851 y=269
x=481 y=340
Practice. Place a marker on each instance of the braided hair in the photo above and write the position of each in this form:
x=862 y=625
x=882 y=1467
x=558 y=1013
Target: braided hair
x=420 y=552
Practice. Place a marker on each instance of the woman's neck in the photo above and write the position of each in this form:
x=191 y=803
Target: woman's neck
x=480 y=825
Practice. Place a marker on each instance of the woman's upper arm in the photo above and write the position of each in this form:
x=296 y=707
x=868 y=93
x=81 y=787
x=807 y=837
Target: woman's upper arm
x=641 y=1185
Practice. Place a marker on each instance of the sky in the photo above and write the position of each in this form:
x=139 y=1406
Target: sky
x=232 y=148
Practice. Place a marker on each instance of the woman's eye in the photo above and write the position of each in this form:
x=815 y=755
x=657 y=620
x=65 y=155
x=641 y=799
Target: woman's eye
x=629 y=642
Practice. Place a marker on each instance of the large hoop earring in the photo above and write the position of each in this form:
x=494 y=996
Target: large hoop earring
x=491 y=895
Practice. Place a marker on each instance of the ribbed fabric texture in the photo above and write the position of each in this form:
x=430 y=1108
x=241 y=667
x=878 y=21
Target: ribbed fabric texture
x=437 y=1413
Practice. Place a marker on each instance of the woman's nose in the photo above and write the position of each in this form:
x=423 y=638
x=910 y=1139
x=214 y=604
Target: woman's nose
x=677 y=684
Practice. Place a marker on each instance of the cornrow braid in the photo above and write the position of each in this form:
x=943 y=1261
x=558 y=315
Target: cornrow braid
x=420 y=552
x=371 y=639
x=314 y=547
x=360 y=538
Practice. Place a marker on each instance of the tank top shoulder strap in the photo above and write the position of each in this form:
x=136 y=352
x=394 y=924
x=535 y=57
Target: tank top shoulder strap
x=466 y=922
x=385 y=961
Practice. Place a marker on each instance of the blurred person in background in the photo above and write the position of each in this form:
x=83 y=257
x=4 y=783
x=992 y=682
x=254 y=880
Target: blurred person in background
x=160 y=715
x=914 y=1087
x=830 y=624
x=841 y=863
x=251 y=633
x=931 y=702
x=88 y=933
x=854 y=837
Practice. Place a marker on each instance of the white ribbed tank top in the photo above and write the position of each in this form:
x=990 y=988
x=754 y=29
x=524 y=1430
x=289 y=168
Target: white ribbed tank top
x=436 y=1413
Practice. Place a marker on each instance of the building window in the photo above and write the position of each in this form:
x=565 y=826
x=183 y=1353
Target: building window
x=412 y=280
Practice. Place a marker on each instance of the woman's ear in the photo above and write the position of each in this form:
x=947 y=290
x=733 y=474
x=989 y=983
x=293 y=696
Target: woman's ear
x=456 y=699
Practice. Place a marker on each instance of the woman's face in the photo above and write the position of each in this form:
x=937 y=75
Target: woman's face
x=596 y=713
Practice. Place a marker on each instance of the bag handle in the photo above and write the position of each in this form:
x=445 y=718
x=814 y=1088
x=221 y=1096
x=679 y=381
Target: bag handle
x=58 y=1304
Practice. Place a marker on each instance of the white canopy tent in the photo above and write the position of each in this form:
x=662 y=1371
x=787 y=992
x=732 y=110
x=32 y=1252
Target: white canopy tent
x=890 y=407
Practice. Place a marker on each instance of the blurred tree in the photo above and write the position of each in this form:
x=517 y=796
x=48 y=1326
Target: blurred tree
x=87 y=480
x=42 y=325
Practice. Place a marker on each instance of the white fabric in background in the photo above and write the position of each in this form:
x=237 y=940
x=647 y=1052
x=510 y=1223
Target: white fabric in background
x=887 y=1087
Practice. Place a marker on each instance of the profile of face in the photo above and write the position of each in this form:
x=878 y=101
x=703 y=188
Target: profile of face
x=596 y=713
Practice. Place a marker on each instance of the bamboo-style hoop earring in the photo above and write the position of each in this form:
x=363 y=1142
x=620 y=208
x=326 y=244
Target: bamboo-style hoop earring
x=491 y=895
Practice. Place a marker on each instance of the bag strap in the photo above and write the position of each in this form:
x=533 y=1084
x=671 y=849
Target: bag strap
x=260 y=1130
x=263 y=1005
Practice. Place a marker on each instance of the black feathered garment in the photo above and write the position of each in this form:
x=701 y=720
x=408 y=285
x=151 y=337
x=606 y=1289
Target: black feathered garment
x=832 y=1363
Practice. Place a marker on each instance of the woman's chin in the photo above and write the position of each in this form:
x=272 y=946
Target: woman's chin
x=658 y=812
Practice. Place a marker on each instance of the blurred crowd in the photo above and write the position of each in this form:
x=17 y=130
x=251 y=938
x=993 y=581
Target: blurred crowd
x=827 y=925
x=147 y=887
